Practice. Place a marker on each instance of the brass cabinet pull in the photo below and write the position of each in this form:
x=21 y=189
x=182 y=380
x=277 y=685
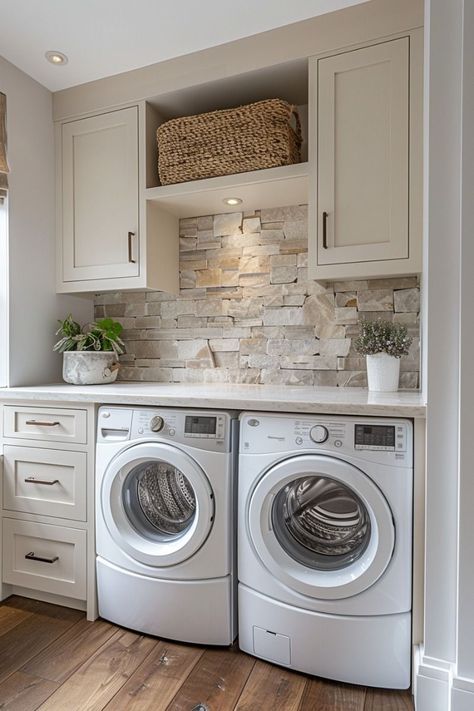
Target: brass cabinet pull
x=42 y=559
x=325 y=230
x=33 y=480
x=130 y=247
x=39 y=423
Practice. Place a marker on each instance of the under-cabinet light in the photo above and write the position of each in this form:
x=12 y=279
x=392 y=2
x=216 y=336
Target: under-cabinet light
x=232 y=201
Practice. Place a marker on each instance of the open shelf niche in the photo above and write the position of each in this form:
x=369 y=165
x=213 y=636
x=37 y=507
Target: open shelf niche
x=271 y=187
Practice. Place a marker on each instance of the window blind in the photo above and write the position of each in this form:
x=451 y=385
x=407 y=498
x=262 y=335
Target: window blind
x=3 y=148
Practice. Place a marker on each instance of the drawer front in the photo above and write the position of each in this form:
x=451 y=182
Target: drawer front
x=44 y=557
x=45 y=423
x=45 y=481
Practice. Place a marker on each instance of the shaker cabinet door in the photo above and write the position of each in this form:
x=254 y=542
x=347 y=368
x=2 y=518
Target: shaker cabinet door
x=100 y=210
x=363 y=155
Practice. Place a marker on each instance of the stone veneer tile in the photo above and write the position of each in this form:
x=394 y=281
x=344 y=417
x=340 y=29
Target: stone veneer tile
x=227 y=224
x=407 y=300
x=375 y=300
x=247 y=312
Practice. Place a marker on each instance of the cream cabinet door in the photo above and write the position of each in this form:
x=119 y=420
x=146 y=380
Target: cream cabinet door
x=99 y=188
x=363 y=155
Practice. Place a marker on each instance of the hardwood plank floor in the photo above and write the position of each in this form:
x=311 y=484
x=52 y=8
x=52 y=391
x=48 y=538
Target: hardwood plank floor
x=52 y=659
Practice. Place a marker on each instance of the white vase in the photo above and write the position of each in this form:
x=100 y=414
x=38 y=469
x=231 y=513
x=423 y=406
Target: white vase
x=383 y=372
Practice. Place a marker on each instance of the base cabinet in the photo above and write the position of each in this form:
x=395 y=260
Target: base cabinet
x=47 y=533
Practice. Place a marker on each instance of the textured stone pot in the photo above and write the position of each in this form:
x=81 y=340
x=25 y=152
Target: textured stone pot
x=90 y=367
x=383 y=373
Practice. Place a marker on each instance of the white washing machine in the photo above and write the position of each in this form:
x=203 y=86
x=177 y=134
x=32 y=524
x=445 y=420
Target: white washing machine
x=165 y=523
x=325 y=545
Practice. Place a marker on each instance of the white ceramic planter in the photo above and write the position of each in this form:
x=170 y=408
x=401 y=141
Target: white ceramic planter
x=383 y=373
x=90 y=367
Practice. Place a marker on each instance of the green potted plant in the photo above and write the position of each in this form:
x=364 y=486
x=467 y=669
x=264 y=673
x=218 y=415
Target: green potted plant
x=90 y=352
x=383 y=343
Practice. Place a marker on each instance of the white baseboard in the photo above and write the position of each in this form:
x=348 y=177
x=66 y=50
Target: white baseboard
x=436 y=686
x=462 y=694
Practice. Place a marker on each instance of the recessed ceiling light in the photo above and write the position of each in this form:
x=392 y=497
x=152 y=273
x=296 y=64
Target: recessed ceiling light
x=57 y=58
x=232 y=201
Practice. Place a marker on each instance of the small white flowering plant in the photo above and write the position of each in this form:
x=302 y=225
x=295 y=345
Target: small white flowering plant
x=383 y=337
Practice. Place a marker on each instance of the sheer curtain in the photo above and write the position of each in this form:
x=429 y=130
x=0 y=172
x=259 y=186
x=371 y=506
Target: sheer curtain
x=3 y=148
x=3 y=245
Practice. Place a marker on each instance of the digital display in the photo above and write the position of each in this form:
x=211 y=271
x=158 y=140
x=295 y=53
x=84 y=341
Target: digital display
x=200 y=425
x=375 y=436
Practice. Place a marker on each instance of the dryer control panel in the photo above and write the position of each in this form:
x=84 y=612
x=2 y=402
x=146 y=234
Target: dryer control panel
x=389 y=441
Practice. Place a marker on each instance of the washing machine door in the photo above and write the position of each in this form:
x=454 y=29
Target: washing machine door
x=157 y=504
x=321 y=526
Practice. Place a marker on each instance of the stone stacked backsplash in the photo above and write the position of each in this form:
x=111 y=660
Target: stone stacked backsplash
x=247 y=313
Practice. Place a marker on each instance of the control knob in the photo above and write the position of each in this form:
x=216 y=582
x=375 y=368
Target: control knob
x=156 y=423
x=319 y=434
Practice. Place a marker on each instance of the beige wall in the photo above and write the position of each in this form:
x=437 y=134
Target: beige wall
x=353 y=25
x=33 y=303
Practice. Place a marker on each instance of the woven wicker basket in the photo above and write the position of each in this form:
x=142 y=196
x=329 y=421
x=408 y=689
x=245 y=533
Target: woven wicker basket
x=251 y=137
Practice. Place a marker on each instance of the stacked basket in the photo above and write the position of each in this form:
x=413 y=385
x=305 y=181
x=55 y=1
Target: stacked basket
x=260 y=135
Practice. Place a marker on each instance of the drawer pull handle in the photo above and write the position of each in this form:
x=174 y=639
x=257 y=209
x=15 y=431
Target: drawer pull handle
x=39 y=423
x=33 y=480
x=32 y=556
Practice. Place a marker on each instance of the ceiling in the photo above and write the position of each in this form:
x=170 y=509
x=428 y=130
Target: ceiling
x=105 y=37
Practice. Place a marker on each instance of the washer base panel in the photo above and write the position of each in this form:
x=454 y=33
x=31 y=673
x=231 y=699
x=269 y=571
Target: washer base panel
x=371 y=651
x=196 y=611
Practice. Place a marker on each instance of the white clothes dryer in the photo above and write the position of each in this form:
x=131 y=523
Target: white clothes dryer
x=165 y=522
x=325 y=545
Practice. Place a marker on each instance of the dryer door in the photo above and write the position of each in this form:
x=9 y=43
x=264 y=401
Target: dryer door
x=157 y=503
x=321 y=526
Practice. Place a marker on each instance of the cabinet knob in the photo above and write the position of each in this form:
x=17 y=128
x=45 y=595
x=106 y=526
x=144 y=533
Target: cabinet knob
x=130 y=247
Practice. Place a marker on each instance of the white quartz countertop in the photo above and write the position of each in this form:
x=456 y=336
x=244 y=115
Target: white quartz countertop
x=269 y=398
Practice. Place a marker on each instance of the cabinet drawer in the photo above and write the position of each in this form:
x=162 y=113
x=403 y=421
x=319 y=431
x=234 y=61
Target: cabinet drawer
x=45 y=481
x=45 y=423
x=44 y=557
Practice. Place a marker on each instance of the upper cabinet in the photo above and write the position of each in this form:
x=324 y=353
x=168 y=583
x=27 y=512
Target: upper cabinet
x=106 y=238
x=360 y=103
x=100 y=196
x=365 y=177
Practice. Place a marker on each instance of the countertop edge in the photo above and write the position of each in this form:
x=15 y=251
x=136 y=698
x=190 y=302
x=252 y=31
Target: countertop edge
x=215 y=401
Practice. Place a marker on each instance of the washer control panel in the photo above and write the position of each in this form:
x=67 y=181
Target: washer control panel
x=203 y=430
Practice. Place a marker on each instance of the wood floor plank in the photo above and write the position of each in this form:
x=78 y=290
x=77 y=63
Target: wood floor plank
x=24 y=692
x=387 y=700
x=216 y=681
x=52 y=659
x=322 y=695
x=270 y=687
x=70 y=651
x=158 y=679
x=97 y=681
x=10 y=617
x=33 y=634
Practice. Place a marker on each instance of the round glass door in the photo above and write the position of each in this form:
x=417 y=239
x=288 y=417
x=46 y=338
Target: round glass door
x=157 y=504
x=159 y=500
x=321 y=526
x=321 y=522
